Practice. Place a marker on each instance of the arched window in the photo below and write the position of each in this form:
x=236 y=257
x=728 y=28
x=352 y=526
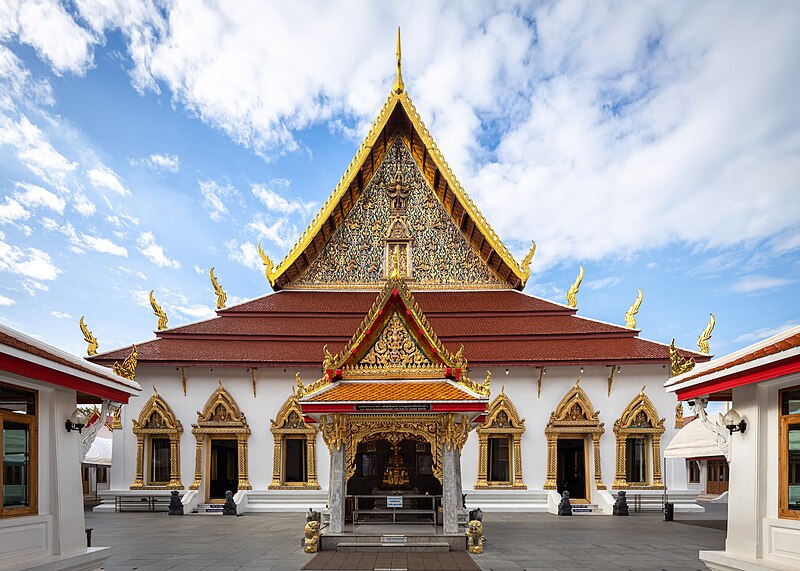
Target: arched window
x=638 y=431
x=500 y=453
x=294 y=463
x=158 y=449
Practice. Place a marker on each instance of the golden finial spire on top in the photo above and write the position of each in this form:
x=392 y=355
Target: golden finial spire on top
x=572 y=294
x=399 y=86
x=630 y=315
x=158 y=312
x=702 y=341
x=222 y=297
x=89 y=338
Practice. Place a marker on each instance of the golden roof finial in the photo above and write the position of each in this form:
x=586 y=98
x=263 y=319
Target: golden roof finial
x=399 y=86
x=158 y=312
x=572 y=299
x=702 y=341
x=127 y=369
x=526 y=263
x=89 y=338
x=222 y=297
x=678 y=363
x=395 y=264
x=269 y=267
x=630 y=315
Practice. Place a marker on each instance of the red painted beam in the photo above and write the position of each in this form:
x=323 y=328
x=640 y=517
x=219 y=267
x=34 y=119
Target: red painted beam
x=748 y=377
x=38 y=372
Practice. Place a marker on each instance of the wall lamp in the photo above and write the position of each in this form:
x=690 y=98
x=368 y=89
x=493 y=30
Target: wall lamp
x=733 y=421
x=76 y=421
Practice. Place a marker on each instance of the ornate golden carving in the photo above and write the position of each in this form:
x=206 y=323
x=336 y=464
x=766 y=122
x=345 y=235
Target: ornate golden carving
x=678 y=363
x=269 y=268
x=526 y=262
x=610 y=380
x=395 y=475
x=630 y=315
x=539 y=383
x=398 y=87
x=253 y=379
x=574 y=416
x=289 y=423
x=502 y=419
x=183 y=380
x=679 y=415
x=702 y=341
x=640 y=418
x=221 y=417
x=116 y=422
x=222 y=297
x=572 y=299
x=127 y=369
x=156 y=419
x=395 y=347
x=89 y=338
x=158 y=312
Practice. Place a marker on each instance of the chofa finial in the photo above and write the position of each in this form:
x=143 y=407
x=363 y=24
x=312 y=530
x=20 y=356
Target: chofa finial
x=222 y=297
x=572 y=294
x=158 y=312
x=630 y=315
x=702 y=341
x=399 y=86
x=89 y=338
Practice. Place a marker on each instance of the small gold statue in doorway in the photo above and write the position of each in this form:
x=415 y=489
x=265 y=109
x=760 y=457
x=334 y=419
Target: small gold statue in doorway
x=395 y=474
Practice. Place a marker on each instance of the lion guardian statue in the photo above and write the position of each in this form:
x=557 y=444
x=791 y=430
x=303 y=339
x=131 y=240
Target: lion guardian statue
x=475 y=537
x=312 y=537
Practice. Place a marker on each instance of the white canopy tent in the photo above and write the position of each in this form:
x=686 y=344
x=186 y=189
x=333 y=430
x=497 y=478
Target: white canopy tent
x=695 y=440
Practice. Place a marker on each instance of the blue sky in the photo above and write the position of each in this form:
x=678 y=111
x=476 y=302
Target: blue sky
x=658 y=145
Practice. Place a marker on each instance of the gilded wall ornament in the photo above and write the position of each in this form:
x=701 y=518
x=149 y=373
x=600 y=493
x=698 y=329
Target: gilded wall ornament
x=395 y=347
x=127 y=370
x=678 y=363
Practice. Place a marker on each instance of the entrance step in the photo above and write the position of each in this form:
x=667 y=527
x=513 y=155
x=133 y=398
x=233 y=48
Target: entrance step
x=586 y=509
x=208 y=509
x=418 y=547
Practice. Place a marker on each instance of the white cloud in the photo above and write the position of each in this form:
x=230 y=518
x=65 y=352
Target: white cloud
x=80 y=241
x=155 y=253
x=160 y=162
x=279 y=231
x=198 y=270
x=103 y=245
x=34 y=151
x=35 y=196
x=215 y=197
x=245 y=253
x=47 y=27
x=6 y=300
x=83 y=205
x=765 y=332
x=27 y=262
x=122 y=220
x=60 y=315
x=12 y=211
x=271 y=196
x=603 y=282
x=195 y=311
x=753 y=283
x=17 y=85
x=103 y=177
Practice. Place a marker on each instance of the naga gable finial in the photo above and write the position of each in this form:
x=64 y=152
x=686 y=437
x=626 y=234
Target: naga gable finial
x=127 y=370
x=678 y=363
x=630 y=315
x=572 y=299
x=222 y=297
x=89 y=338
x=269 y=267
x=158 y=312
x=525 y=266
x=702 y=341
x=399 y=87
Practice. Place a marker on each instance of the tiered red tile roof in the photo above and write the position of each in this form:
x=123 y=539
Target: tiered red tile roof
x=496 y=327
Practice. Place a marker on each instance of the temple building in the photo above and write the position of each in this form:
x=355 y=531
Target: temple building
x=399 y=356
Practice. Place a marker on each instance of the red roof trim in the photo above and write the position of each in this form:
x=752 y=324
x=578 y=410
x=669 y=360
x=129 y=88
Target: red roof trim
x=750 y=376
x=38 y=372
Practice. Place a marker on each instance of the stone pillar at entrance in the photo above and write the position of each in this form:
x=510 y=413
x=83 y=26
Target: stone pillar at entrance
x=337 y=489
x=451 y=487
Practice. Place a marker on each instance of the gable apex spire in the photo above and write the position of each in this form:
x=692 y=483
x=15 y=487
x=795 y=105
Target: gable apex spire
x=399 y=86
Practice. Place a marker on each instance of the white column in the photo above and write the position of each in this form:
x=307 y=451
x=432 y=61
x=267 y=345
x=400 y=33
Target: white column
x=337 y=490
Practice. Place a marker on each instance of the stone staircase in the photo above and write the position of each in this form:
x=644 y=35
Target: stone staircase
x=208 y=509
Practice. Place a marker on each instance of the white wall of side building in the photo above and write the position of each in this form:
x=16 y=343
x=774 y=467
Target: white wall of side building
x=273 y=386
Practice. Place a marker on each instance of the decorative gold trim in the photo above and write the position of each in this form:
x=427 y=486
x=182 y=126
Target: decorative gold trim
x=272 y=272
x=572 y=293
x=630 y=315
x=539 y=383
x=222 y=297
x=253 y=379
x=127 y=370
x=157 y=419
x=574 y=416
x=158 y=312
x=502 y=419
x=446 y=430
x=89 y=338
x=610 y=379
x=289 y=422
x=702 y=341
x=183 y=380
x=640 y=418
x=678 y=363
x=221 y=417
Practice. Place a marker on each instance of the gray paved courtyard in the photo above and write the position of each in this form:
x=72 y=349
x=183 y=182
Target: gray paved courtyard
x=514 y=542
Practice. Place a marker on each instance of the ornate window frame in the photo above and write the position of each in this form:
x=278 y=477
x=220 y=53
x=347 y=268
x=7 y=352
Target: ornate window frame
x=640 y=418
x=574 y=416
x=290 y=423
x=156 y=419
x=502 y=419
x=221 y=417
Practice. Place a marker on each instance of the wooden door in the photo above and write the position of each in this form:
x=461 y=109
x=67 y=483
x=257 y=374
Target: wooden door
x=717 y=476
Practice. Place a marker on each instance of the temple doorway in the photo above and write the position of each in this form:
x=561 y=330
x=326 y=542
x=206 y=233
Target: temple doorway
x=383 y=468
x=224 y=468
x=572 y=467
